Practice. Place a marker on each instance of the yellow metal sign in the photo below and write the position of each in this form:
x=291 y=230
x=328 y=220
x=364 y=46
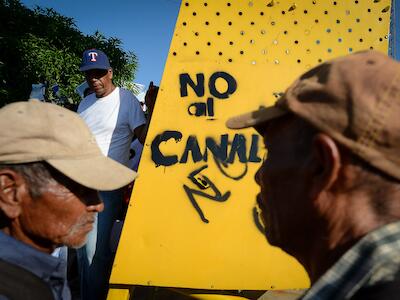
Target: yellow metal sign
x=192 y=221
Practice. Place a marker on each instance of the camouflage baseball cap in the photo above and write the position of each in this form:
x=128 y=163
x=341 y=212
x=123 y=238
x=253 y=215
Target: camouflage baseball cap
x=355 y=99
x=36 y=131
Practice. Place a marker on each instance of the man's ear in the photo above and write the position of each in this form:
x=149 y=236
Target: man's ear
x=327 y=162
x=10 y=198
x=110 y=73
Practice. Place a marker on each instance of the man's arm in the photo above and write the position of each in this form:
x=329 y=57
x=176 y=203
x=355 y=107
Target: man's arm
x=141 y=132
x=150 y=100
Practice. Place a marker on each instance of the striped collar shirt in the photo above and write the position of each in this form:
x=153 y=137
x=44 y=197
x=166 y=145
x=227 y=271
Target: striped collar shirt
x=372 y=260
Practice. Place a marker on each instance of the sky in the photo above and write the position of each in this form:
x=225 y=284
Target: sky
x=144 y=26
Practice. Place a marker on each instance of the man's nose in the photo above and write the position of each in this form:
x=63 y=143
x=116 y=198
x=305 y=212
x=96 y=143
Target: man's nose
x=99 y=207
x=94 y=202
x=91 y=78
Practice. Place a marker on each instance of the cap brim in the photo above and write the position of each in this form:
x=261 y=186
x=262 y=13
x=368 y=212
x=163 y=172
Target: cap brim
x=87 y=68
x=255 y=118
x=100 y=173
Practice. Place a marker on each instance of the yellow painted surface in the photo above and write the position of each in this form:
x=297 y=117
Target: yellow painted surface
x=118 y=294
x=263 y=46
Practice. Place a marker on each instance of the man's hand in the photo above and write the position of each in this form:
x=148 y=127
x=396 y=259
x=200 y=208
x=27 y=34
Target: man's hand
x=150 y=98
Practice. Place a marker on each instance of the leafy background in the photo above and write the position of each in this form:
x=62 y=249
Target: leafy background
x=41 y=44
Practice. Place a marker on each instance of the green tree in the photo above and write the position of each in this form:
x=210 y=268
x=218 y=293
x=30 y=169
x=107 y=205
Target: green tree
x=43 y=44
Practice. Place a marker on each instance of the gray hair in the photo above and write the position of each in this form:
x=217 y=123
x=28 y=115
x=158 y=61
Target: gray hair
x=37 y=175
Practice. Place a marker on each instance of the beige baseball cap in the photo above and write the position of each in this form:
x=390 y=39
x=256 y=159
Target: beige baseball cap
x=35 y=131
x=355 y=99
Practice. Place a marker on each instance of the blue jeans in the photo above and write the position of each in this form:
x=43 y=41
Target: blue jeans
x=96 y=258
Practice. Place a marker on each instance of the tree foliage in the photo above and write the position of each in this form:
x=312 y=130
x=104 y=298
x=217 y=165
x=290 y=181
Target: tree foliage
x=42 y=44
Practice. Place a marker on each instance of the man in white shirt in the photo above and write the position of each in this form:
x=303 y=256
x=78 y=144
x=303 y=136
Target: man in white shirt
x=115 y=117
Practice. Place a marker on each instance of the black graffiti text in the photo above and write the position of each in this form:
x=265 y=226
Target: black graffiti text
x=225 y=150
x=203 y=183
x=202 y=109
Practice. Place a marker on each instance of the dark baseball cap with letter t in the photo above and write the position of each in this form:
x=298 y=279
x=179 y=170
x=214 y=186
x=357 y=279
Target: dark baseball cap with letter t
x=94 y=59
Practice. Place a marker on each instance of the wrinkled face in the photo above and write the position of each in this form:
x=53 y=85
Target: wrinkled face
x=62 y=215
x=100 y=81
x=284 y=180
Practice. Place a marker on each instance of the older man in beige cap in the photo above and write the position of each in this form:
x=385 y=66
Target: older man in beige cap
x=330 y=186
x=50 y=171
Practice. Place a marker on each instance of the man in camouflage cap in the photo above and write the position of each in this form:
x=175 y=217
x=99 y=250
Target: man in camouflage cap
x=330 y=186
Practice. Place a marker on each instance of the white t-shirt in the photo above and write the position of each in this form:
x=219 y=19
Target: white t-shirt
x=112 y=120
